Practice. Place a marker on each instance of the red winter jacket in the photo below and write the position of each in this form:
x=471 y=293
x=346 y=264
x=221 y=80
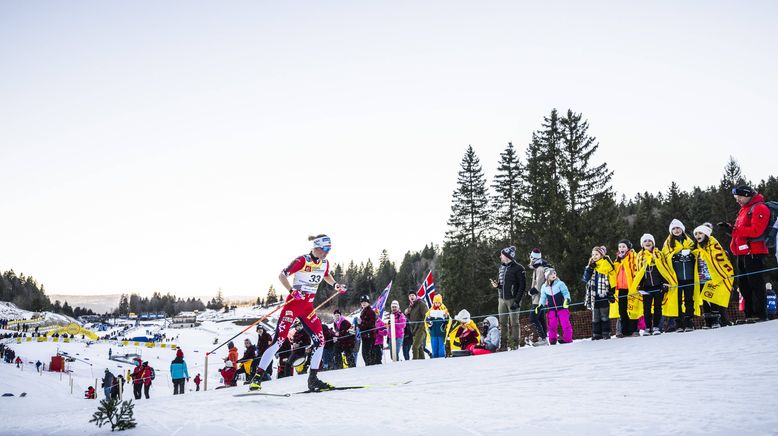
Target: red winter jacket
x=749 y=227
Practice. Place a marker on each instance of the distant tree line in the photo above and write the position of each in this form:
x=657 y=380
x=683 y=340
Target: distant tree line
x=24 y=292
x=158 y=303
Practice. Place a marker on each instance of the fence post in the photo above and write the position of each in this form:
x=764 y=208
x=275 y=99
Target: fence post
x=393 y=337
x=205 y=380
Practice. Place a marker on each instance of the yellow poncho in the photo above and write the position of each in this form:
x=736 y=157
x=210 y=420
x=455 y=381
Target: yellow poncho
x=646 y=258
x=718 y=289
x=670 y=305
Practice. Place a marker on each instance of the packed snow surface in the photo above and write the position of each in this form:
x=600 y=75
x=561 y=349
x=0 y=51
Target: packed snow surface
x=711 y=382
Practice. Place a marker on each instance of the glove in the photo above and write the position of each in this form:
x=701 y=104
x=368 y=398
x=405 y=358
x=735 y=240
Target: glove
x=296 y=294
x=515 y=306
x=566 y=304
x=340 y=288
x=537 y=309
x=612 y=296
x=533 y=291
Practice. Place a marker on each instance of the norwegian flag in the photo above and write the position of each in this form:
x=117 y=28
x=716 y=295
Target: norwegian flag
x=427 y=290
x=380 y=302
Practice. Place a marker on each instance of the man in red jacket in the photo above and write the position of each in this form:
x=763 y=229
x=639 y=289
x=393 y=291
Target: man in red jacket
x=751 y=223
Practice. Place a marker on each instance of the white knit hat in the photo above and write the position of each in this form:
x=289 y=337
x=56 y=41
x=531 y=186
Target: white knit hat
x=676 y=223
x=463 y=316
x=705 y=229
x=647 y=237
x=548 y=272
x=395 y=303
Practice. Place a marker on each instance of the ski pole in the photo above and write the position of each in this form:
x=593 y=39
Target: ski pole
x=248 y=327
x=323 y=303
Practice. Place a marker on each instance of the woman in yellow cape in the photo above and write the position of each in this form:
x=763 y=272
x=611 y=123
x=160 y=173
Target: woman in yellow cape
x=683 y=301
x=464 y=333
x=652 y=280
x=715 y=273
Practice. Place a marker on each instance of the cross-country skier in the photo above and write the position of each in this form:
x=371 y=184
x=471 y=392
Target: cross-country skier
x=309 y=270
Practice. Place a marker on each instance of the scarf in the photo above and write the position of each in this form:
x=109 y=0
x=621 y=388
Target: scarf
x=647 y=258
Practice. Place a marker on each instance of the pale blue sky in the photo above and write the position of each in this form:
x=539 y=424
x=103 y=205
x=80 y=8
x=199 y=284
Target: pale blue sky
x=187 y=146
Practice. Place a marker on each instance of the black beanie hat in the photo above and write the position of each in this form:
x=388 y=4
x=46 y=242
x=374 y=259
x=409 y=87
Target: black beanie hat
x=627 y=243
x=744 y=190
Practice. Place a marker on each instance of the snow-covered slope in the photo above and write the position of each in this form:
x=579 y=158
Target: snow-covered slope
x=9 y=310
x=713 y=382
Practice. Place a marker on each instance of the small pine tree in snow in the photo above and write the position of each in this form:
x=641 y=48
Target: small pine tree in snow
x=111 y=412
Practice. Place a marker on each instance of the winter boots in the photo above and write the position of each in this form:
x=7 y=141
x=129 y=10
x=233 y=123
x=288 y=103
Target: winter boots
x=256 y=381
x=316 y=385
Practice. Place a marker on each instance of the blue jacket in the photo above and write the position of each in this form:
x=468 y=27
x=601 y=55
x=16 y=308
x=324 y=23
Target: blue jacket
x=554 y=296
x=178 y=370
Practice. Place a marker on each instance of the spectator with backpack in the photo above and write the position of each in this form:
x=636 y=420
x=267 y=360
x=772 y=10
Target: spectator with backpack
x=751 y=235
x=148 y=376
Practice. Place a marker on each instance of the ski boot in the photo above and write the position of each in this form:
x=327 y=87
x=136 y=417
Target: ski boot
x=316 y=385
x=256 y=381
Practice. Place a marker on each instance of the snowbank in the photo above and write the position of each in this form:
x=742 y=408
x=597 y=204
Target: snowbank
x=712 y=382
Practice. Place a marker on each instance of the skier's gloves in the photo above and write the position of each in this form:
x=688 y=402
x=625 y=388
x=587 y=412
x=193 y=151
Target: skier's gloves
x=297 y=295
x=566 y=304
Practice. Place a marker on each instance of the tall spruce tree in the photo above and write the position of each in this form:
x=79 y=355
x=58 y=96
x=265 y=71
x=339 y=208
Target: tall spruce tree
x=466 y=262
x=469 y=219
x=507 y=197
x=582 y=180
x=544 y=202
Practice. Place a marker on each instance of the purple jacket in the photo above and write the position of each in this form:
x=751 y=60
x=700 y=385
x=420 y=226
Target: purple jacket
x=380 y=331
x=399 y=324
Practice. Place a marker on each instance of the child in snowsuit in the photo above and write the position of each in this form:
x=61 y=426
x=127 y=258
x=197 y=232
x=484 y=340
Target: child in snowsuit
x=380 y=338
x=90 y=393
x=438 y=322
x=555 y=296
x=490 y=341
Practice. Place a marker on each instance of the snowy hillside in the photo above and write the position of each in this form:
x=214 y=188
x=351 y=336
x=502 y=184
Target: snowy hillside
x=711 y=382
x=10 y=311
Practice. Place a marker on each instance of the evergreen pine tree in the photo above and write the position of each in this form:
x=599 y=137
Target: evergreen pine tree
x=469 y=218
x=508 y=190
x=118 y=415
x=466 y=262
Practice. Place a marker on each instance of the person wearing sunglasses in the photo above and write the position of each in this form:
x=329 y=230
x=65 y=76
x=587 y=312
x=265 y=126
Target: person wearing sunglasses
x=309 y=271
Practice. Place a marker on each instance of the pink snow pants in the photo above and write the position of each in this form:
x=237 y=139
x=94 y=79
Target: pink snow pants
x=555 y=318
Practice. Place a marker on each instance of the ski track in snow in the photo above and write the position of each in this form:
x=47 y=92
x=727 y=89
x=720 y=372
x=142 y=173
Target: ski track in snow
x=711 y=382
